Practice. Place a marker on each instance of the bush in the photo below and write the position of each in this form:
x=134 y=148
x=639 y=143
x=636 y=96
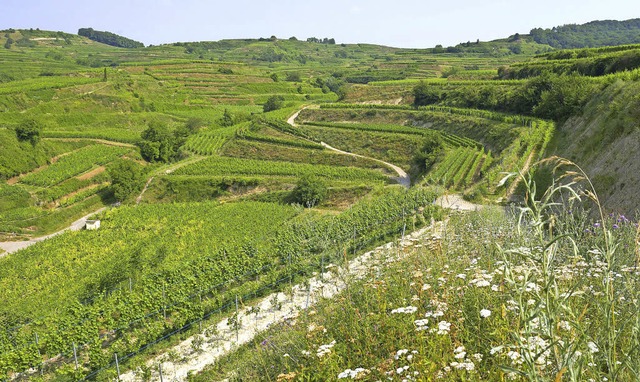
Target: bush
x=29 y=131
x=273 y=103
x=126 y=178
x=309 y=191
x=425 y=95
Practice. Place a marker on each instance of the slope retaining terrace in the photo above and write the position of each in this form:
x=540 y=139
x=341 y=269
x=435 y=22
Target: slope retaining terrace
x=402 y=178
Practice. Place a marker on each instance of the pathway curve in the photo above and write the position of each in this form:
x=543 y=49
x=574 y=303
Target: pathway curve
x=457 y=203
x=402 y=178
x=13 y=246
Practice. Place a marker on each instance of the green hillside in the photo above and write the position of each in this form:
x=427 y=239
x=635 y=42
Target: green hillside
x=590 y=35
x=236 y=168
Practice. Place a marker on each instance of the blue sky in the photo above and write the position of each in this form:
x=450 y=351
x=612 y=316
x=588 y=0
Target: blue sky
x=399 y=23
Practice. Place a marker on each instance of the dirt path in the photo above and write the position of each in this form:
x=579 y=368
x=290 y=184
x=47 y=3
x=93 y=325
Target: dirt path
x=92 y=173
x=13 y=246
x=457 y=203
x=167 y=170
x=146 y=185
x=97 y=140
x=320 y=287
x=402 y=178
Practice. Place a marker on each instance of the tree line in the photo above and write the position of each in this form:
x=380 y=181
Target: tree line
x=109 y=38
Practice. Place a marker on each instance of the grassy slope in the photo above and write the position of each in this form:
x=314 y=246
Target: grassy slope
x=604 y=141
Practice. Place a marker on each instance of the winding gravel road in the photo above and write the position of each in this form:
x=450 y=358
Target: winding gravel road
x=402 y=178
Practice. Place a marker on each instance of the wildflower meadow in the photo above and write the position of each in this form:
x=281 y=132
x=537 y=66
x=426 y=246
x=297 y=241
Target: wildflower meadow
x=547 y=290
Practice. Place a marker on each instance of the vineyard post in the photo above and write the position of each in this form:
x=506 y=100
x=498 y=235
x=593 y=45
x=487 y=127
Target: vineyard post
x=322 y=268
x=354 y=241
x=404 y=226
x=237 y=321
x=290 y=278
x=160 y=371
x=200 y=296
x=308 y=295
x=130 y=285
x=75 y=355
x=39 y=354
x=164 y=304
x=115 y=355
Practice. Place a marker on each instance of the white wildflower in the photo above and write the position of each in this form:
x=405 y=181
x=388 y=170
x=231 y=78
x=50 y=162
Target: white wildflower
x=405 y=310
x=593 y=348
x=400 y=353
x=325 y=349
x=444 y=327
x=496 y=349
x=353 y=374
x=484 y=313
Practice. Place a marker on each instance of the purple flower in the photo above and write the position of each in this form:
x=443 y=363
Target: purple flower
x=596 y=224
x=615 y=226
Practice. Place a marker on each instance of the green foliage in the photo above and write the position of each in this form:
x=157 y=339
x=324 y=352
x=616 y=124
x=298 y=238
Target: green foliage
x=109 y=38
x=586 y=62
x=424 y=94
x=73 y=164
x=273 y=103
x=309 y=191
x=217 y=166
x=29 y=131
x=159 y=144
x=170 y=266
x=592 y=34
x=431 y=151
x=21 y=157
x=126 y=178
x=293 y=77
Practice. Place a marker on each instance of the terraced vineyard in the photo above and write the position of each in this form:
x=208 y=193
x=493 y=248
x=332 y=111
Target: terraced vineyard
x=220 y=198
x=460 y=168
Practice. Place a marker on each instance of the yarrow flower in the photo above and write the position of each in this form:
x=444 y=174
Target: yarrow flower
x=564 y=325
x=405 y=310
x=353 y=374
x=325 y=349
x=400 y=353
x=443 y=327
x=484 y=313
x=421 y=324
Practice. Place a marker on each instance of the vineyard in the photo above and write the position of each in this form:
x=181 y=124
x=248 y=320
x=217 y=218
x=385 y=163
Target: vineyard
x=132 y=308
x=73 y=164
x=228 y=166
x=202 y=156
x=461 y=168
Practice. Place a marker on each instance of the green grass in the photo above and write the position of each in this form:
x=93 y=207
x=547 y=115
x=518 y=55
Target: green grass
x=481 y=307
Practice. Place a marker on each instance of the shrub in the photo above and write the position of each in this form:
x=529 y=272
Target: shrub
x=273 y=103
x=309 y=191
